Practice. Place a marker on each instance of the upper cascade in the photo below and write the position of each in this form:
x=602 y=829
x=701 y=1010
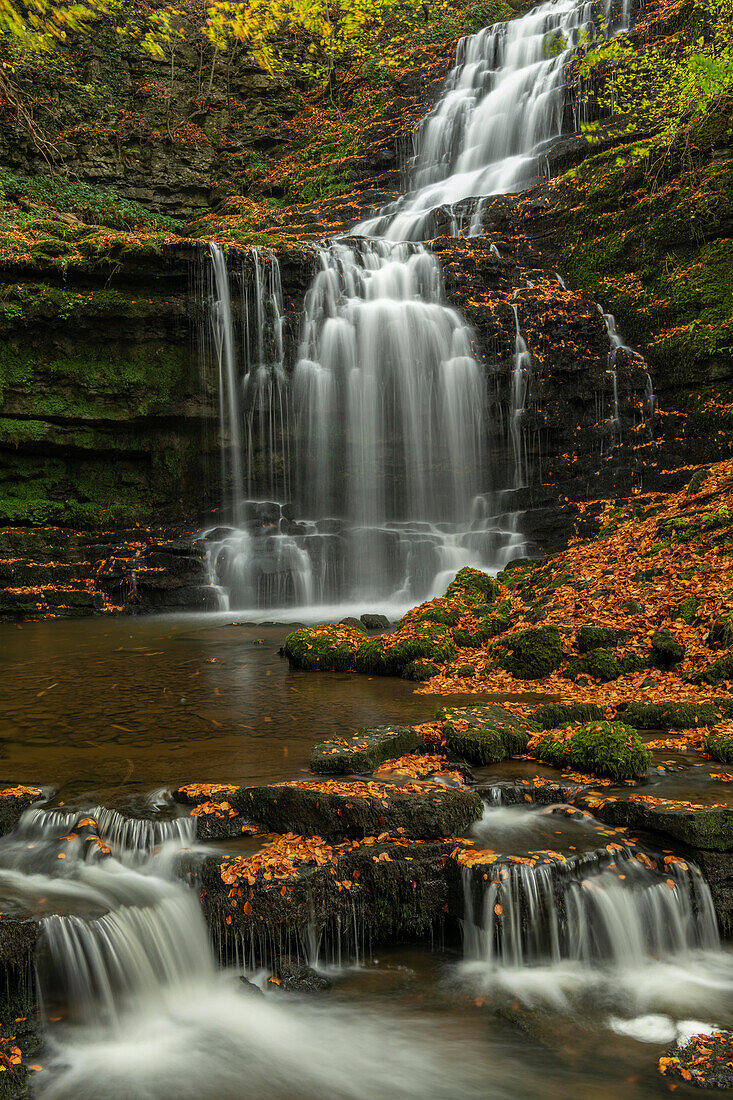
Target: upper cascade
x=501 y=107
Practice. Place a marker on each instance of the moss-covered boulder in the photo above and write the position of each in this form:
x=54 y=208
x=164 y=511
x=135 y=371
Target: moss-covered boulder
x=717 y=672
x=485 y=735
x=719 y=745
x=530 y=654
x=390 y=655
x=420 y=671
x=551 y=716
x=669 y=716
x=666 y=650
x=466 y=672
x=365 y=751
x=334 y=809
x=591 y=637
x=604 y=665
x=483 y=627
x=599 y=748
x=472 y=585
x=330 y=648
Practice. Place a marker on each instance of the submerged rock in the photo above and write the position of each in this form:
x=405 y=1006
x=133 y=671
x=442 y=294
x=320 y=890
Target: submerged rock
x=336 y=809
x=365 y=751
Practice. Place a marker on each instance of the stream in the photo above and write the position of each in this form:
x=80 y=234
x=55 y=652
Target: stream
x=134 y=1002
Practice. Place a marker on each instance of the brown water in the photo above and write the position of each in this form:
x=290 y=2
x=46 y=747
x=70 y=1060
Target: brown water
x=116 y=708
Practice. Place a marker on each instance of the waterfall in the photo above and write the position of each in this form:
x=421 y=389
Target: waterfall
x=521 y=376
x=501 y=108
x=603 y=909
x=364 y=476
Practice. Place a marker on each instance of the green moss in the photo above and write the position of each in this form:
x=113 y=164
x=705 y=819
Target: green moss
x=553 y=715
x=486 y=626
x=666 y=716
x=420 y=670
x=599 y=637
x=485 y=735
x=604 y=665
x=318 y=650
x=717 y=672
x=471 y=585
x=720 y=746
x=466 y=672
x=599 y=748
x=530 y=654
x=370 y=657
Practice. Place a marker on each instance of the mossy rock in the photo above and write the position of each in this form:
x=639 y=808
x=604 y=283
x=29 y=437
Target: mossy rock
x=600 y=748
x=719 y=745
x=472 y=584
x=492 y=734
x=600 y=637
x=687 y=611
x=446 y=616
x=551 y=716
x=717 y=672
x=486 y=628
x=721 y=632
x=323 y=649
x=466 y=672
x=604 y=665
x=669 y=716
x=390 y=655
x=354 y=624
x=420 y=671
x=531 y=654
x=667 y=651
x=365 y=751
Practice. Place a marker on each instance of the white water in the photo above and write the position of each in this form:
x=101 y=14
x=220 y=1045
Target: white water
x=501 y=107
x=145 y=1013
x=373 y=457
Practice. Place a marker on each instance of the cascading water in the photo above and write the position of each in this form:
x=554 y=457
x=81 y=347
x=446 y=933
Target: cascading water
x=378 y=439
x=502 y=106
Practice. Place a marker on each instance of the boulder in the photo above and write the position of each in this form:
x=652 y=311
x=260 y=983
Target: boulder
x=485 y=735
x=14 y=801
x=667 y=716
x=530 y=654
x=667 y=651
x=553 y=715
x=600 y=637
x=375 y=622
x=598 y=748
x=337 y=809
x=365 y=751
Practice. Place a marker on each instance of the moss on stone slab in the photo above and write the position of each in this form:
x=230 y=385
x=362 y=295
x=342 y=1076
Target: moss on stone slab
x=553 y=715
x=420 y=671
x=604 y=665
x=324 y=649
x=672 y=715
x=471 y=585
x=600 y=637
x=600 y=748
x=365 y=751
x=485 y=735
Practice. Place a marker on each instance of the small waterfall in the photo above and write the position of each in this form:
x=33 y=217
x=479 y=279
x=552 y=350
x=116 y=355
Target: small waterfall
x=501 y=107
x=521 y=380
x=617 y=348
x=603 y=909
x=229 y=401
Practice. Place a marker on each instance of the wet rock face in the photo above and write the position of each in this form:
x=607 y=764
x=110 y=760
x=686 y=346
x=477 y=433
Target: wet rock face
x=330 y=809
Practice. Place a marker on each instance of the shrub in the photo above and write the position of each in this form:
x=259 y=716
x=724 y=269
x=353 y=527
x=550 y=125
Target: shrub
x=600 y=748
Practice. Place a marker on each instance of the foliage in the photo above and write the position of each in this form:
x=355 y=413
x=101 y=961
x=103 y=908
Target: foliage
x=93 y=205
x=38 y=25
x=663 y=83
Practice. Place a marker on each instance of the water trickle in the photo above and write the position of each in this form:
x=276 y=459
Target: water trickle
x=521 y=381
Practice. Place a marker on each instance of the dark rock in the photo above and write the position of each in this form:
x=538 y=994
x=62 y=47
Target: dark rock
x=365 y=751
x=705 y=1061
x=355 y=624
x=376 y=622
x=334 y=809
x=695 y=484
x=250 y=987
x=14 y=801
x=667 y=650
x=297 y=977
